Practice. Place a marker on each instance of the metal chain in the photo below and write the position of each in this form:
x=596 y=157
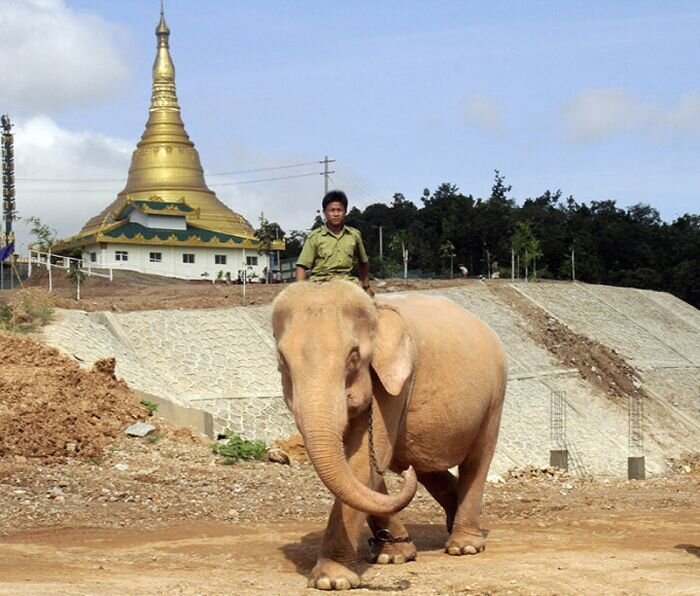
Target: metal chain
x=372 y=454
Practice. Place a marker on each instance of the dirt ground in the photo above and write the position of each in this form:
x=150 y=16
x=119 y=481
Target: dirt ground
x=88 y=510
x=164 y=516
x=132 y=291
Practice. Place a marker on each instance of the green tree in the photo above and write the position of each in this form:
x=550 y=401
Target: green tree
x=525 y=245
x=266 y=234
x=74 y=273
x=447 y=251
x=45 y=236
x=294 y=242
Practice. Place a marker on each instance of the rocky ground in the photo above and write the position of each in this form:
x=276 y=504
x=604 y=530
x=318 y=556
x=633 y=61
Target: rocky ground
x=87 y=509
x=163 y=515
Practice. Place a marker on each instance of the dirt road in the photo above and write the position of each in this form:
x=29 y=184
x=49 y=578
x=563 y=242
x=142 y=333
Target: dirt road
x=165 y=517
x=644 y=553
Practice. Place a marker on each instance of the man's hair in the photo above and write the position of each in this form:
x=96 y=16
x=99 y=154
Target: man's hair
x=335 y=196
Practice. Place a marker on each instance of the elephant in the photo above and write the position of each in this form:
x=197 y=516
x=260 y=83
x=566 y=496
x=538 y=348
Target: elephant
x=411 y=383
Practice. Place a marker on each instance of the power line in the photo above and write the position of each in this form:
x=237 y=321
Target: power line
x=232 y=173
x=293 y=165
x=215 y=184
x=71 y=179
x=267 y=179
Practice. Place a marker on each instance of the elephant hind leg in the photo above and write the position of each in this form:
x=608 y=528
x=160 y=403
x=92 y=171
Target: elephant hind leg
x=466 y=537
x=443 y=488
x=390 y=542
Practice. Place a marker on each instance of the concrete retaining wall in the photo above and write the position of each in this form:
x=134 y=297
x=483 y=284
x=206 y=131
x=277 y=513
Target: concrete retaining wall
x=222 y=361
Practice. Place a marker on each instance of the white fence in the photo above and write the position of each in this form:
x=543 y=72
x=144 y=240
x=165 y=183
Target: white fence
x=52 y=261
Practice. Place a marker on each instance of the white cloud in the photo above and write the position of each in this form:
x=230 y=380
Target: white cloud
x=53 y=57
x=93 y=167
x=481 y=111
x=597 y=114
x=685 y=117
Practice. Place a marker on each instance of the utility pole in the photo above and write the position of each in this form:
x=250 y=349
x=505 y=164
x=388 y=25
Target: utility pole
x=326 y=172
x=8 y=195
x=381 y=243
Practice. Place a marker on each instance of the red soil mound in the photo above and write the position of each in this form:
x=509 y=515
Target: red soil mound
x=50 y=408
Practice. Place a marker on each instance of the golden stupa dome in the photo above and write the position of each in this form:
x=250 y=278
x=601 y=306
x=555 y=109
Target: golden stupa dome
x=165 y=163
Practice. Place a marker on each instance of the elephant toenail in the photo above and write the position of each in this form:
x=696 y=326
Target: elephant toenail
x=469 y=550
x=399 y=559
x=454 y=550
x=342 y=584
x=324 y=584
x=383 y=559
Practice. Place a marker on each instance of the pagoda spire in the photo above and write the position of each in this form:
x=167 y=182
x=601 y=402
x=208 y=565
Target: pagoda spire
x=163 y=96
x=165 y=156
x=165 y=163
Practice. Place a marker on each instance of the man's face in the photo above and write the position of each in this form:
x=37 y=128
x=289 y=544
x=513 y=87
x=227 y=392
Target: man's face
x=335 y=213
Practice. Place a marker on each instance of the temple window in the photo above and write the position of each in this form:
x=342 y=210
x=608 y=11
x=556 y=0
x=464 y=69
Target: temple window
x=251 y=261
x=155 y=257
x=219 y=259
x=93 y=257
x=187 y=257
x=121 y=255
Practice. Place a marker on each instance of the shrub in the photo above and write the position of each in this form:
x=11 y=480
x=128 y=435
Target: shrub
x=236 y=448
x=150 y=406
x=24 y=317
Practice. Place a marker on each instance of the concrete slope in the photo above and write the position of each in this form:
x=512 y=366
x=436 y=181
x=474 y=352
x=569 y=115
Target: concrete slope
x=223 y=361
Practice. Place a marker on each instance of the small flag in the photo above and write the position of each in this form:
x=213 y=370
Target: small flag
x=7 y=251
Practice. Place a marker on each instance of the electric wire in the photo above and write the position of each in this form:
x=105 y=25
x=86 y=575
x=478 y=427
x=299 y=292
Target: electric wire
x=232 y=173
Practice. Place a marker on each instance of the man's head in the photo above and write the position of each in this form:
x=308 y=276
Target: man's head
x=335 y=206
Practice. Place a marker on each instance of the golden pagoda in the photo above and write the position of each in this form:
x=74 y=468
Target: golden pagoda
x=166 y=201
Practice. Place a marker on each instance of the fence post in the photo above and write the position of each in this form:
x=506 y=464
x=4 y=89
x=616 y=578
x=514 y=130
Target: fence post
x=559 y=453
x=48 y=266
x=635 y=459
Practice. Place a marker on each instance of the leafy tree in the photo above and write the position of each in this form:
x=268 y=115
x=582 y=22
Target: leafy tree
x=447 y=251
x=294 y=242
x=266 y=234
x=525 y=245
x=45 y=236
x=74 y=273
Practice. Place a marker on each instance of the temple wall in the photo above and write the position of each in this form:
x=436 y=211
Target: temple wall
x=172 y=265
x=223 y=361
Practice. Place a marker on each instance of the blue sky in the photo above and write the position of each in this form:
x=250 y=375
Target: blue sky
x=598 y=99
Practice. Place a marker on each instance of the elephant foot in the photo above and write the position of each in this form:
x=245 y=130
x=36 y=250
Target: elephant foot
x=465 y=544
x=385 y=553
x=329 y=575
x=388 y=549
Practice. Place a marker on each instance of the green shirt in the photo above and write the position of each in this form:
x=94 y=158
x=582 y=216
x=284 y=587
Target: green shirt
x=330 y=256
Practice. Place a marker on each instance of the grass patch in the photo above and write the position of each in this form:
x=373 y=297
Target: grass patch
x=237 y=448
x=150 y=406
x=25 y=316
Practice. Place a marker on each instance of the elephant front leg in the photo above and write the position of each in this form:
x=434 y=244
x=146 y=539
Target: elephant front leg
x=333 y=569
x=390 y=541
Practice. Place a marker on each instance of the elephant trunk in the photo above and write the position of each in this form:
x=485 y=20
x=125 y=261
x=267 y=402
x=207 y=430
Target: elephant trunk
x=323 y=436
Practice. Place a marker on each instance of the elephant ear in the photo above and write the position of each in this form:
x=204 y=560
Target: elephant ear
x=393 y=357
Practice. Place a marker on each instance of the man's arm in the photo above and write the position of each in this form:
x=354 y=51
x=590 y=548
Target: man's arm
x=363 y=270
x=300 y=273
x=306 y=259
x=363 y=264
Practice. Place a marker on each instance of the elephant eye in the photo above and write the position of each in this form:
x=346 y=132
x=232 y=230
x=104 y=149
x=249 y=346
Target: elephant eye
x=354 y=358
x=281 y=361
